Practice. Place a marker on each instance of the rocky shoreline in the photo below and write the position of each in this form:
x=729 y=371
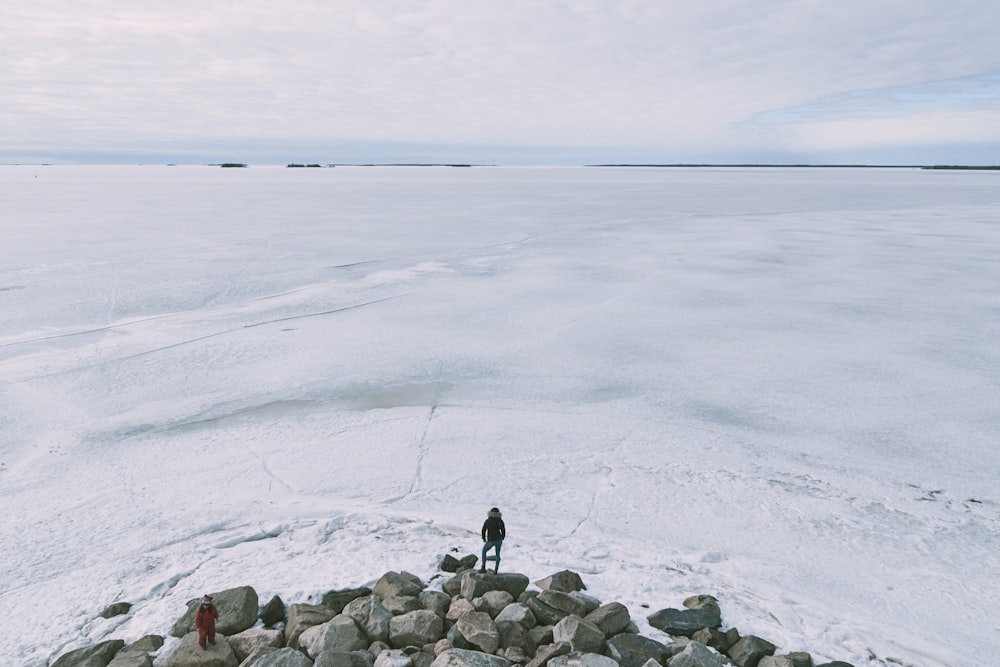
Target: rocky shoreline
x=474 y=619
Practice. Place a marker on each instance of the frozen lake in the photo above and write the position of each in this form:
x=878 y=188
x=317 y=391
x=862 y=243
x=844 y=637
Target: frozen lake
x=776 y=386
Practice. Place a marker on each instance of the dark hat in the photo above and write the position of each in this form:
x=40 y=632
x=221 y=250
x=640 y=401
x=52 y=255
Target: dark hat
x=207 y=599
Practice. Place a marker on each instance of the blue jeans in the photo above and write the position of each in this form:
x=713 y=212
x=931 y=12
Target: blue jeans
x=494 y=544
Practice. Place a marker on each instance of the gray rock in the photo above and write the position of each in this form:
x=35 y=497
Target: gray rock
x=564 y=581
x=116 y=609
x=801 y=659
x=393 y=658
x=449 y=564
x=301 y=617
x=146 y=644
x=98 y=655
x=248 y=641
x=703 y=602
x=582 y=636
x=611 y=618
x=337 y=600
x=632 y=650
x=423 y=659
x=517 y=613
x=397 y=584
x=402 y=604
x=545 y=655
x=515 y=654
x=712 y=638
x=188 y=654
x=696 y=654
x=476 y=584
x=371 y=616
x=338 y=635
x=544 y=613
x=541 y=634
x=496 y=601
x=453 y=586
x=564 y=602
x=131 y=659
x=435 y=601
x=685 y=622
x=748 y=651
x=342 y=659
x=776 y=661
x=273 y=612
x=282 y=657
x=237 y=612
x=458 y=608
x=455 y=638
x=514 y=635
x=578 y=659
x=457 y=657
x=415 y=628
x=836 y=663
x=480 y=631
x=441 y=646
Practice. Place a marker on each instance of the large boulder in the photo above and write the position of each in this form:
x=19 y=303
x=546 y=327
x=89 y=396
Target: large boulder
x=401 y=604
x=459 y=607
x=577 y=659
x=131 y=659
x=273 y=612
x=544 y=613
x=338 y=635
x=564 y=581
x=611 y=618
x=496 y=601
x=457 y=657
x=145 y=644
x=398 y=584
x=237 y=612
x=748 y=651
x=116 y=609
x=475 y=584
x=632 y=650
x=371 y=616
x=480 y=631
x=696 y=654
x=685 y=622
x=582 y=636
x=98 y=655
x=517 y=613
x=337 y=600
x=341 y=659
x=565 y=602
x=246 y=642
x=550 y=651
x=415 y=629
x=514 y=635
x=301 y=617
x=435 y=601
x=282 y=657
x=188 y=654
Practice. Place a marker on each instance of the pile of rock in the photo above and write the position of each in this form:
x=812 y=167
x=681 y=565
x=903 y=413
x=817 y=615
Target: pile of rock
x=477 y=619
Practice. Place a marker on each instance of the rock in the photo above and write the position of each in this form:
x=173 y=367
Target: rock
x=338 y=635
x=415 y=628
x=696 y=654
x=496 y=601
x=371 y=616
x=453 y=586
x=475 y=584
x=632 y=650
x=393 y=658
x=480 y=631
x=551 y=651
x=423 y=659
x=441 y=646
x=116 y=609
x=611 y=618
x=457 y=640
x=748 y=651
x=564 y=581
x=342 y=659
x=685 y=622
x=467 y=562
x=402 y=604
x=301 y=617
x=282 y=657
x=131 y=659
x=397 y=584
x=458 y=608
x=541 y=634
x=337 y=600
x=377 y=647
x=517 y=613
x=273 y=612
x=577 y=659
x=248 y=641
x=801 y=659
x=835 y=663
x=146 y=644
x=514 y=635
x=565 y=602
x=582 y=636
x=237 y=612
x=703 y=602
x=98 y=655
x=712 y=638
x=457 y=657
x=515 y=654
x=188 y=654
x=435 y=601
x=544 y=613
x=776 y=661
x=449 y=564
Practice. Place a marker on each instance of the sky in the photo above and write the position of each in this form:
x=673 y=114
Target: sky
x=511 y=82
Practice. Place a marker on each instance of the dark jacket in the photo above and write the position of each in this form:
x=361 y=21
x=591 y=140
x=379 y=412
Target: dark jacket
x=493 y=528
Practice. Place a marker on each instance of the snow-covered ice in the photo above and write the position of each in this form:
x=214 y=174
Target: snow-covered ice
x=776 y=386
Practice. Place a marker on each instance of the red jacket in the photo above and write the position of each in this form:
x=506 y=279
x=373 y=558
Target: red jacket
x=205 y=619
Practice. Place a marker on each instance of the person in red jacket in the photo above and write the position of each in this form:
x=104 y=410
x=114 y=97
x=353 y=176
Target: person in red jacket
x=204 y=620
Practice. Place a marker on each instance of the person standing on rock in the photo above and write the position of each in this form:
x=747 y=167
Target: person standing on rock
x=493 y=534
x=204 y=620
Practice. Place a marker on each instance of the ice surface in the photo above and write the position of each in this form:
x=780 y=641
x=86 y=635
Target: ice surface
x=776 y=386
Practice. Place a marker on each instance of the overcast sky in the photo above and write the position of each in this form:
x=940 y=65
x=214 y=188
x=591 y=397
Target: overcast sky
x=505 y=81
